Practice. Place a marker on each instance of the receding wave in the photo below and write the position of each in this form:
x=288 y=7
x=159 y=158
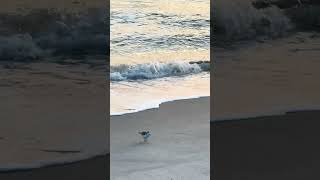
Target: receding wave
x=42 y=33
x=155 y=70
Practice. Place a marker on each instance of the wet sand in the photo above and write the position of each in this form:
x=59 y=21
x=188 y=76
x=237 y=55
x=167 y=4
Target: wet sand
x=95 y=168
x=178 y=146
x=52 y=114
x=266 y=77
x=282 y=147
x=254 y=86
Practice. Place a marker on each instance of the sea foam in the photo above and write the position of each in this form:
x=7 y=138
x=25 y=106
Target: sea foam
x=155 y=70
x=43 y=33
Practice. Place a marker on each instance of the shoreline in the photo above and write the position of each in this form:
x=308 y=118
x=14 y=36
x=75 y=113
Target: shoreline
x=283 y=80
x=36 y=137
x=90 y=157
x=179 y=142
x=94 y=167
x=265 y=113
x=156 y=105
x=265 y=122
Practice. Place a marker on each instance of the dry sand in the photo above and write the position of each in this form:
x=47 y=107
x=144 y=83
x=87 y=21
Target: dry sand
x=52 y=113
x=178 y=147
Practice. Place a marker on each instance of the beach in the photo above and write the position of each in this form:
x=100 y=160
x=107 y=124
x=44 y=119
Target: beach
x=177 y=149
x=52 y=113
x=159 y=82
x=265 y=109
x=257 y=78
x=265 y=98
x=54 y=93
x=73 y=143
x=265 y=60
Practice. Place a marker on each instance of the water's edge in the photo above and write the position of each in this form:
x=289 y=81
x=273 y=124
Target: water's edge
x=58 y=162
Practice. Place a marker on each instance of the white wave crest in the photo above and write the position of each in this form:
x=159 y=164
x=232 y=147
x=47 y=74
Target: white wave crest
x=239 y=20
x=57 y=33
x=156 y=70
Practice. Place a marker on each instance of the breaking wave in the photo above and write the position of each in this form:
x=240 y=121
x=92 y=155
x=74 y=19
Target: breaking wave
x=239 y=20
x=41 y=33
x=236 y=20
x=155 y=70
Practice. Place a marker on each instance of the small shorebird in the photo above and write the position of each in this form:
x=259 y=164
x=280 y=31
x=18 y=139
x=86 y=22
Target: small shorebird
x=145 y=135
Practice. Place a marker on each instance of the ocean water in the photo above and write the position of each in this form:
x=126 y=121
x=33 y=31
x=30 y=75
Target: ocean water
x=58 y=34
x=160 y=51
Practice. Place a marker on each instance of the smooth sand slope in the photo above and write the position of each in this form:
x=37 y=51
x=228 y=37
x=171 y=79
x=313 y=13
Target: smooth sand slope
x=266 y=77
x=178 y=147
x=51 y=113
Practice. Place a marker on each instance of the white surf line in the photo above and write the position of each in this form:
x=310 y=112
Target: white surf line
x=154 y=105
